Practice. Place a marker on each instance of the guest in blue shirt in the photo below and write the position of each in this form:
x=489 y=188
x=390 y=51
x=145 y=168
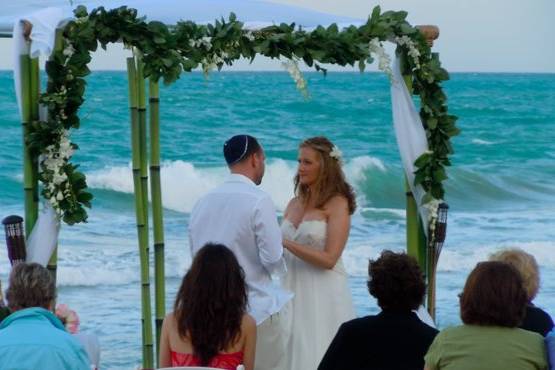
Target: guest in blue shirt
x=32 y=337
x=550 y=342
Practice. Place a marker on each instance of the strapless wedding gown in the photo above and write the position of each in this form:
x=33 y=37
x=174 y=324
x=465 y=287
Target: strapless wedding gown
x=322 y=300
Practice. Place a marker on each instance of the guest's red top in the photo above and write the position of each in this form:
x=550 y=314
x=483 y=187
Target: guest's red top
x=227 y=361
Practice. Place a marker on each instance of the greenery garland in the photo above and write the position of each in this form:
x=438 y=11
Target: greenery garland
x=168 y=51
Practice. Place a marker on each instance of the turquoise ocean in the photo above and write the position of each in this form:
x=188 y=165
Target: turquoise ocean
x=501 y=189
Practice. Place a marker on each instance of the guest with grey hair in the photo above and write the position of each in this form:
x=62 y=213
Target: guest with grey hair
x=536 y=319
x=32 y=337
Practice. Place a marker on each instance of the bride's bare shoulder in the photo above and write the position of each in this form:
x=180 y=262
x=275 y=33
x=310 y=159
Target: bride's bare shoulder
x=337 y=203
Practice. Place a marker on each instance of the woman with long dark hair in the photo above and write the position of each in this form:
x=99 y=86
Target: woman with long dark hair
x=315 y=228
x=209 y=325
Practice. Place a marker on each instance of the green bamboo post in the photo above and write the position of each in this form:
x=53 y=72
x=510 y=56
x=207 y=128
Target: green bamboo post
x=157 y=214
x=27 y=103
x=52 y=265
x=416 y=239
x=140 y=211
x=141 y=90
x=25 y=65
x=35 y=92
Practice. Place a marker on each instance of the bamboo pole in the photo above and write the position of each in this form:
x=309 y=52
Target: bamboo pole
x=140 y=211
x=416 y=239
x=141 y=90
x=52 y=265
x=157 y=214
x=28 y=189
x=35 y=92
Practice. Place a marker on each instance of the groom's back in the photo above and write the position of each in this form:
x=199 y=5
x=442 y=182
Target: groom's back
x=228 y=215
x=224 y=215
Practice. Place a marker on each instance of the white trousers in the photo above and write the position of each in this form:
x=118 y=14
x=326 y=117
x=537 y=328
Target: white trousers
x=272 y=336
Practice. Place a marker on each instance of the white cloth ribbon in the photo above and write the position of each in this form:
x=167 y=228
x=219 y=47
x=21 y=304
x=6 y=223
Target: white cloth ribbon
x=43 y=34
x=44 y=237
x=410 y=133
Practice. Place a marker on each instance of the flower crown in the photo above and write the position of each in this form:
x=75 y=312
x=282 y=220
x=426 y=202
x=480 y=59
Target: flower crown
x=336 y=153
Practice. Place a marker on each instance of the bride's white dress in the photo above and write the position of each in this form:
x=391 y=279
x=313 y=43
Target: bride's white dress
x=322 y=300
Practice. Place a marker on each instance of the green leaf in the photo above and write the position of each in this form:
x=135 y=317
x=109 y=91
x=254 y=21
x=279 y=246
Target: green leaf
x=80 y=11
x=432 y=123
x=427 y=198
x=423 y=160
x=439 y=174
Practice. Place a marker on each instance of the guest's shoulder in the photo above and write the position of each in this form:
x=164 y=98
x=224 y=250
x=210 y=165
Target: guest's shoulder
x=360 y=323
x=539 y=314
x=169 y=321
x=248 y=323
x=455 y=330
x=429 y=330
x=528 y=336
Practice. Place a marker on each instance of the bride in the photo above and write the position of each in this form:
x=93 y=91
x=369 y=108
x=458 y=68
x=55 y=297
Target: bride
x=315 y=230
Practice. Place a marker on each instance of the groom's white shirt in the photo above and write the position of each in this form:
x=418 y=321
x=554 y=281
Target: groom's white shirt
x=242 y=217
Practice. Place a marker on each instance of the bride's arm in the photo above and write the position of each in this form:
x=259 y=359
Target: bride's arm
x=339 y=223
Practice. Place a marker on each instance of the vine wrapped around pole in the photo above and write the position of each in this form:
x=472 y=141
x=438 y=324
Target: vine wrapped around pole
x=140 y=211
x=157 y=210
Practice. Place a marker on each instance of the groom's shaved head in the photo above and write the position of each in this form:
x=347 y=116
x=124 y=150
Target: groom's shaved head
x=240 y=147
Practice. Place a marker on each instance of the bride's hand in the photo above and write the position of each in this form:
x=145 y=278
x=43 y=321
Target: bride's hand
x=286 y=244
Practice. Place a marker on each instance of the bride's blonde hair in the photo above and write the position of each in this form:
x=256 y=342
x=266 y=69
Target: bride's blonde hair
x=331 y=180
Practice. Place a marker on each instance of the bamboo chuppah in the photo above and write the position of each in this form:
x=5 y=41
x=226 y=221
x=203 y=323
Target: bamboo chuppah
x=162 y=52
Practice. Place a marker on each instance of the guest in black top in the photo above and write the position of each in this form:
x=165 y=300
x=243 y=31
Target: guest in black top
x=536 y=319
x=394 y=339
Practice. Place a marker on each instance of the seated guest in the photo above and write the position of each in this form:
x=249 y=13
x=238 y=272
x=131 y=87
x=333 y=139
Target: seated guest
x=32 y=337
x=393 y=339
x=209 y=325
x=493 y=304
x=536 y=319
x=4 y=311
x=550 y=343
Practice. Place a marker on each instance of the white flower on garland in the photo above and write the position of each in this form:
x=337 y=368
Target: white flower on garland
x=53 y=160
x=69 y=50
x=413 y=51
x=292 y=66
x=384 y=60
x=432 y=207
x=250 y=35
x=206 y=41
x=211 y=62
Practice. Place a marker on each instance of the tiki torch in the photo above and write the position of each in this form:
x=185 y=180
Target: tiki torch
x=15 y=239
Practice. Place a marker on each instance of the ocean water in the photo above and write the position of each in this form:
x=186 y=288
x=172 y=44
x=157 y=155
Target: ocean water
x=501 y=189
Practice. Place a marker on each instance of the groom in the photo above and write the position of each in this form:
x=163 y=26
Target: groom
x=241 y=216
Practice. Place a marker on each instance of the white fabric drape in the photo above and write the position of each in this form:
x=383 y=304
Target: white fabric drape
x=45 y=22
x=44 y=237
x=410 y=133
